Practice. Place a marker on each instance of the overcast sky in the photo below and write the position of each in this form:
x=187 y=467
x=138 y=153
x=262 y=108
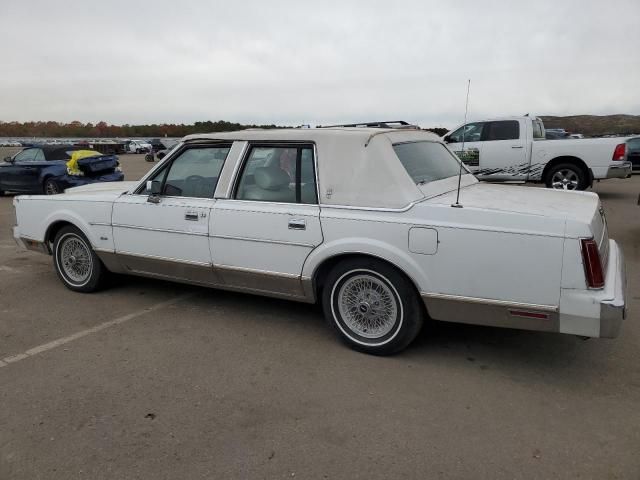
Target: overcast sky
x=293 y=62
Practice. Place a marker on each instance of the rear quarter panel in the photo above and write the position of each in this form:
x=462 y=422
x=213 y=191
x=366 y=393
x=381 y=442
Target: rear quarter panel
x=479 y=254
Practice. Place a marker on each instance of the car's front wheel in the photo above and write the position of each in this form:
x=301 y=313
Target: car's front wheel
x=373 y=306
x=75 y=262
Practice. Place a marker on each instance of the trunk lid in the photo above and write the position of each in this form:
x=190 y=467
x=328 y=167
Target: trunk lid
x=579 y=206
x=98 y=165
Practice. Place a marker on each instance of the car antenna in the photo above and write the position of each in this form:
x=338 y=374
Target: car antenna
x=464 y=130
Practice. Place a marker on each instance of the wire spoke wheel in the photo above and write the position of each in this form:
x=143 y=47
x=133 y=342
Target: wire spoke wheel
x=75 y=259
x=367 y=306
x=565 y=179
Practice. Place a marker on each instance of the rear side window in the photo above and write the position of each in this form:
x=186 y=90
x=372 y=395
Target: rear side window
x=427 y=161
x=278 y=173
x=503 y=130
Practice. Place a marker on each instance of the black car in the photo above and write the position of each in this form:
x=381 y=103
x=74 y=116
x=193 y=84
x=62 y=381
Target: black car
x=633 y=153
x=44 y=169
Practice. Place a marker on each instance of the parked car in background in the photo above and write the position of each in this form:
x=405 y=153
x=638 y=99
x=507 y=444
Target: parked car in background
x=137 y=146
x=379 y=240
x=168 y=145
x=46 y=169
x=515 y=148
x=633 y=152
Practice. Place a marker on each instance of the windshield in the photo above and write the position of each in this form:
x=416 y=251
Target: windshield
x=427 y=161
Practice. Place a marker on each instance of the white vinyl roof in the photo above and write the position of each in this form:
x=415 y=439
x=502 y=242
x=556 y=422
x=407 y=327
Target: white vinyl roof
x=356 y=166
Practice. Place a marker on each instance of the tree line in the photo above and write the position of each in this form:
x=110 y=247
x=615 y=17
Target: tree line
x=104 y=130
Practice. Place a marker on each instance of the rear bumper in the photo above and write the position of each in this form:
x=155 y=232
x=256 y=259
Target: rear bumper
x=613 y=310
x=623 y=170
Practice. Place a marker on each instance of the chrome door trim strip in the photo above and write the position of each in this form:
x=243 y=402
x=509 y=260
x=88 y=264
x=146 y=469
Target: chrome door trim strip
x=102 y=224
x=165 y=230
x=167 y=259
x=255 y=271
x=489 y=301
x=261 y=240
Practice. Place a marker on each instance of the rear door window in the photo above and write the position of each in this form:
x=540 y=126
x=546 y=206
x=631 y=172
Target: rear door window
x=502 y=130
x=278 y=173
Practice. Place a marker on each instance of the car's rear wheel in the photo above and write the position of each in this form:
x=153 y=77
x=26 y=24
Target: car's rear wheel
x=75 y=262
x=566 y=176
x=374 y=307
x=50 y=187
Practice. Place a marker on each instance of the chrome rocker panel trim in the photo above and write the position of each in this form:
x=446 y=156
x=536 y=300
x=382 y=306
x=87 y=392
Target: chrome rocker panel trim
x=490 y=312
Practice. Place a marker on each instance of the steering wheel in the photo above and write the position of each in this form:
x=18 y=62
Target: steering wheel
x=194 y=178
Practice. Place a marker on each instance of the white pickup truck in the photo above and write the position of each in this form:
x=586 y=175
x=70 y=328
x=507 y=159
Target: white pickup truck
x=515 y=149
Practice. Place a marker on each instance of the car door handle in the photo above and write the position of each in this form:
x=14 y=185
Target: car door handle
x=517 y=146
x=192 y=216
x=297 y=224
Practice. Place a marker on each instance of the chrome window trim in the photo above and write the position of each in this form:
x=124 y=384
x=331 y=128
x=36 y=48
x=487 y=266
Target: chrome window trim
x=263 y=240
x=141 y=195
x=489 y=301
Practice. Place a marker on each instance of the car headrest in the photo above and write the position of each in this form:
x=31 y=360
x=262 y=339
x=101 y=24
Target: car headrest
x=271 y=178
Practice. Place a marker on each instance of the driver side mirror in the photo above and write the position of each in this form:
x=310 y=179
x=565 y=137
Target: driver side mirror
x=154 y=187
x=8 y=159
x=447 y=139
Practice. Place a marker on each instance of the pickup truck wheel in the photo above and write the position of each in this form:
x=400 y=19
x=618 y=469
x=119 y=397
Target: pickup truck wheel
x=374 y=308
x=50 y=187
x=75 y=262
x=566 y=176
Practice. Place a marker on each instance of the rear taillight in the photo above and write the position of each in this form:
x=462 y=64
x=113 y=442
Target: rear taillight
x=592 y=264
x=619 y=152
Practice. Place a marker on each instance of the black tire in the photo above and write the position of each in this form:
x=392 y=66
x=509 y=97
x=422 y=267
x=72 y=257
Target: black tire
x=50 y=187
x=569 y=171
x=71 y=242
x=405 y=312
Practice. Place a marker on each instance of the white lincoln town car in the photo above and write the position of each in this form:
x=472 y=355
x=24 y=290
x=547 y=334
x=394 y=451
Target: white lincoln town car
x=363 y=220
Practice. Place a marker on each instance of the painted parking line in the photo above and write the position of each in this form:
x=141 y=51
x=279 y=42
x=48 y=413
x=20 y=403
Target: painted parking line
x=75 y=336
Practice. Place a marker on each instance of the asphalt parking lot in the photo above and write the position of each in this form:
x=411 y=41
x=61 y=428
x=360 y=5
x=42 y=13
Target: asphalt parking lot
x=155 y=380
